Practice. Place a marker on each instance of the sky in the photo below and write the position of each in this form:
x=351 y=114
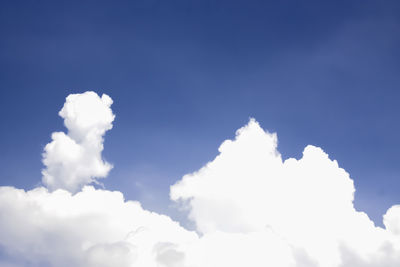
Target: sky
x=183 y=76
x=186 y=74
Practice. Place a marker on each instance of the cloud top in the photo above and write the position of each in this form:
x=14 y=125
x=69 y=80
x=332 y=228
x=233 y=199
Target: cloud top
x=73 y=159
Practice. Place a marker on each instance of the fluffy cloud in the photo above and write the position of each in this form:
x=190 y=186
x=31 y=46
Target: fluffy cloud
x=250 y=207
x=90 y=228
x=308 y=202
x=391 y=219
x=73 y=160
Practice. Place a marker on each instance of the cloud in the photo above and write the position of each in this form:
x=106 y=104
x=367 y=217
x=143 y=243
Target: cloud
x=248 y=188
x=250 y=207
x=91 y=228
x=74 y=159
x=391 y=220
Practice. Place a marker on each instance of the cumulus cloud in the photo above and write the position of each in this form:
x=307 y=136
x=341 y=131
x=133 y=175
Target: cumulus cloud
x=90 y=228
x=308 y=202
x=250 y=208
x=74 y=159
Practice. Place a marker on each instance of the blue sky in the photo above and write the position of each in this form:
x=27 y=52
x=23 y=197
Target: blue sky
x=185 y=75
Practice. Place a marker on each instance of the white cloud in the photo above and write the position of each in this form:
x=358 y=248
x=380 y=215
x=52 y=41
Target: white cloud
x=251 y=208
x=308 y=202
x=90 y=228
x=391 y=220
x=74 y=159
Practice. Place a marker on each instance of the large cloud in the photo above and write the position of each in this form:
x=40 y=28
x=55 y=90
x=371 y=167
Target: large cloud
x=308 y=202
x=251 y=208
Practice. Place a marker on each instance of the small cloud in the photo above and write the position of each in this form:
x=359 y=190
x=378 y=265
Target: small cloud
x=73 y=159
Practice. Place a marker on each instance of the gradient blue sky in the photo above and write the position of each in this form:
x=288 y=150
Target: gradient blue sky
x=185 y=74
